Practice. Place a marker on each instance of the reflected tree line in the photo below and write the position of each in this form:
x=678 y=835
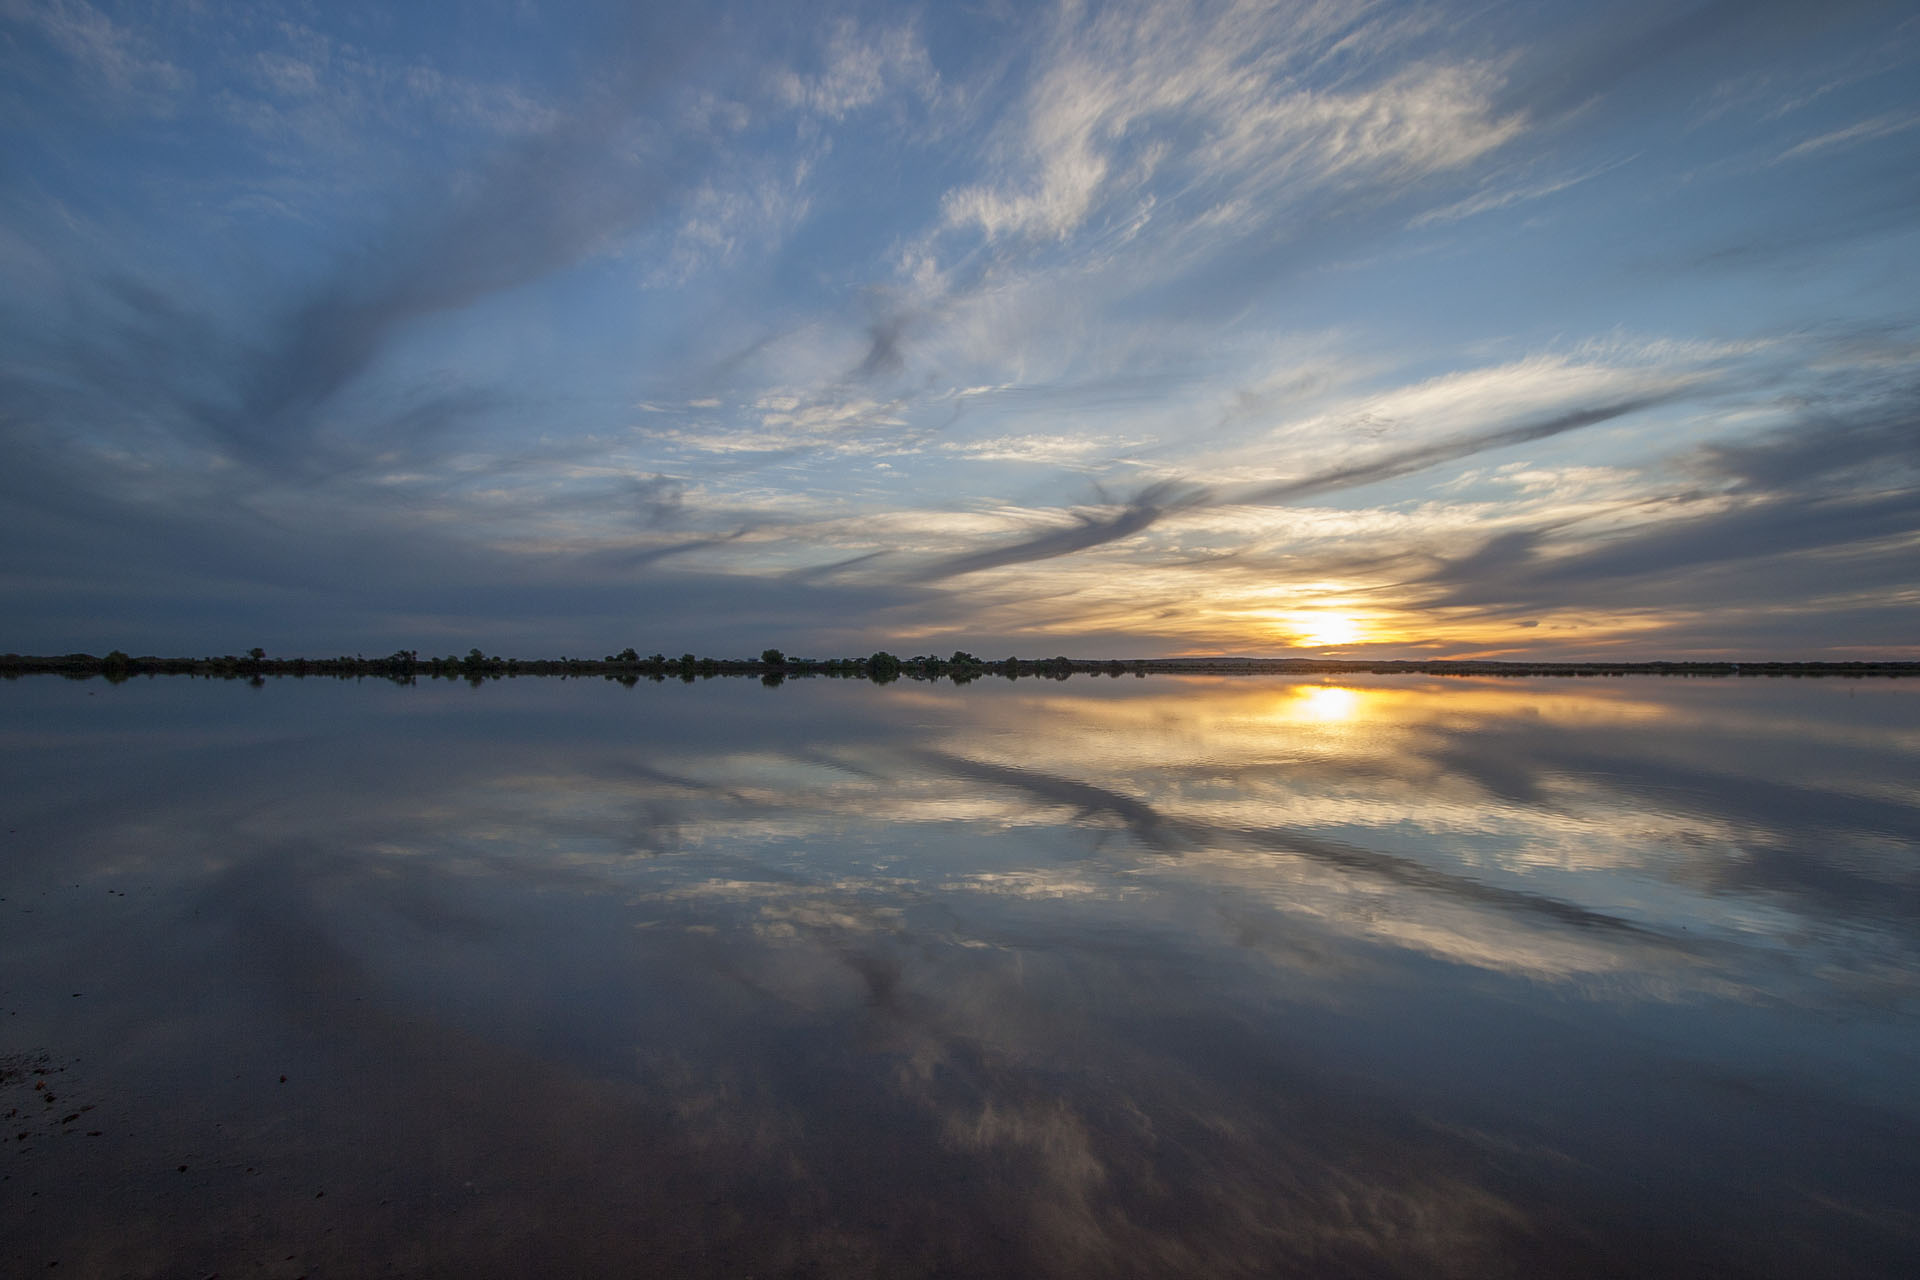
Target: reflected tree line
x=628 y=667
x=773 y=667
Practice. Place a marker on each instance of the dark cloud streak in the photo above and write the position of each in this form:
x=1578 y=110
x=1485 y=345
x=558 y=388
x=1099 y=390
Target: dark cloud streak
x=544 y=203
x=1408 y=461
x=1825 y=507
x=1665 y=52
x=1150 y=505
x=1140 y=512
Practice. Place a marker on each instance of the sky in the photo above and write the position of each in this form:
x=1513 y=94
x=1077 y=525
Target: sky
x=1305 y=329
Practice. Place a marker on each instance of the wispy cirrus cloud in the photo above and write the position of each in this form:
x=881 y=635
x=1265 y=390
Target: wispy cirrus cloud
x=1880 y=126
x=1050 y=450
x=1225 y=100
x=1501 y=195
x=114 y=56
x=858 y=66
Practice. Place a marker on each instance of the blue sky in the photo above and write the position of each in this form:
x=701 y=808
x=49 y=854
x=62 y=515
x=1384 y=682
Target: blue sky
x=1105 y=329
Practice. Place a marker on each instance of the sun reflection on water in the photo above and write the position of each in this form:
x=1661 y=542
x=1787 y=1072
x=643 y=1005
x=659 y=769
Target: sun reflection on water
x=1323 y=703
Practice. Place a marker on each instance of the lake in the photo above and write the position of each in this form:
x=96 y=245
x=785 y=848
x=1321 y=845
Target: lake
x=1388 y=976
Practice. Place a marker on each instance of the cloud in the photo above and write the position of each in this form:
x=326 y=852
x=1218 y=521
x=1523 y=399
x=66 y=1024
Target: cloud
x=1878 y=440
x=1088 y=529
x=1816 y=510
x=1046 y=450
x=1150 y=505
x=859 y=68
x=1656 y=565
x=884 y=358
x=547 y=202
x=1501 y=196
x=112 y=55
x=1642 y=45
x=753 y=208
x=1225 y=97
x=561 y=188
x=1406 y=461
x=1865 y=131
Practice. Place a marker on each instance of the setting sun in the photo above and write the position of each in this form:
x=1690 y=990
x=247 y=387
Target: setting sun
x=1324 y=629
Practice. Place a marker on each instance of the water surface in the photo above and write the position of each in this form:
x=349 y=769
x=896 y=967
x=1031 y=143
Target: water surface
x=1175 y=976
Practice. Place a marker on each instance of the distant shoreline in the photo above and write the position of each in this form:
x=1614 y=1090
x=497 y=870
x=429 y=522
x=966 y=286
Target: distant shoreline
x=407 y=667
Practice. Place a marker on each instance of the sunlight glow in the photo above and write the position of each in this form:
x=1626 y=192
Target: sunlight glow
x=1324 y=703
x=1322 y=630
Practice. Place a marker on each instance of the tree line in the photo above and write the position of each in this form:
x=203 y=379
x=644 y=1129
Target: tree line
x=773 y=667
x=628 y=666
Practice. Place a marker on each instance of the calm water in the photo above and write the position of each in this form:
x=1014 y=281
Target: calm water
x=1106 y=977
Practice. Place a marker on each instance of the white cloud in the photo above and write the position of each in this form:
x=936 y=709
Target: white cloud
x=111 y=54
x=501 y=109
x=1501 y=196
x=285 y=75
x=731 y=213
x=1450 y=405
x=832 y=421
x=857 y=69
x=1853 y=135
x=1235 y=102
x=1055 y=450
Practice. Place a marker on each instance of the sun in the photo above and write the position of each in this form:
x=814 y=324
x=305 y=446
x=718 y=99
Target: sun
x=1324 y=630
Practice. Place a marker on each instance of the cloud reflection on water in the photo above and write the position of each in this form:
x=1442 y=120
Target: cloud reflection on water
x=1116 y=977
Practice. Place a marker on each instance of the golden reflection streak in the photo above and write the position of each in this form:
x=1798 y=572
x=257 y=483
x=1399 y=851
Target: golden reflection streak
x=1220 y=710
x=1323 y=703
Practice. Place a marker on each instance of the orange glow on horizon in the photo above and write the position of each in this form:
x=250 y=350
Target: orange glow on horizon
x=1325 y=629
